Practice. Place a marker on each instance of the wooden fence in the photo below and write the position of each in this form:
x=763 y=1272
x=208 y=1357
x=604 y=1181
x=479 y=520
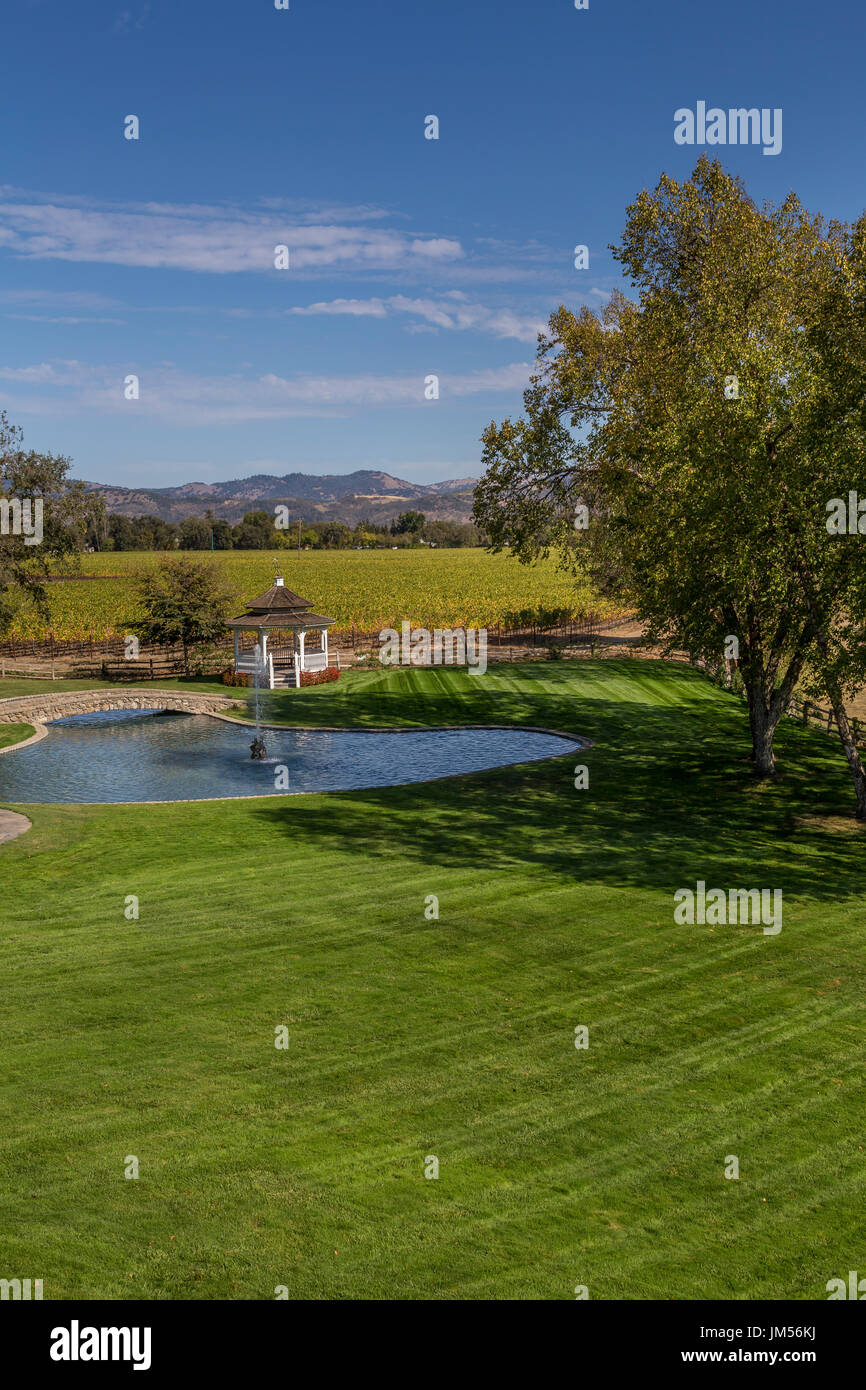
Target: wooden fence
x=807 y=712
x=804 y=711
x=94 y=649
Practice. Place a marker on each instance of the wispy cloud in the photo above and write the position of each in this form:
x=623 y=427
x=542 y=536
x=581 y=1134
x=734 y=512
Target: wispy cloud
x=209 y=239
x=65 y=387
x=452 y=311
x=63 y=318
x=59 y=299
x=130 y=19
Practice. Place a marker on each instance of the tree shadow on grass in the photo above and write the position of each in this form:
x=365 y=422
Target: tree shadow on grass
x=672 y=799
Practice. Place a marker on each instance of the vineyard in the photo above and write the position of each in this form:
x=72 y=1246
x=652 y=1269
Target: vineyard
x=360 y=589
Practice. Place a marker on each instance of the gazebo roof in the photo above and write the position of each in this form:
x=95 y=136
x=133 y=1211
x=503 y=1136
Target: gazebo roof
x=277 y=599
x=287 y=618
x=279 y=607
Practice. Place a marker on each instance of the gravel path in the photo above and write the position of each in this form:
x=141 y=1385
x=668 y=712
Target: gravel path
x=12 y=825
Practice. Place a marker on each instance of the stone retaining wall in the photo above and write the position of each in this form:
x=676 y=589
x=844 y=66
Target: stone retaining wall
x=40 y=709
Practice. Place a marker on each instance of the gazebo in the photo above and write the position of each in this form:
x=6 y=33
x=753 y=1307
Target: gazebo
x=280 y=621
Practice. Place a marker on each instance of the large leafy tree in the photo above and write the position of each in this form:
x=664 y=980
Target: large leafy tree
x=683 y=445
x=183 y=603
x=70 y=515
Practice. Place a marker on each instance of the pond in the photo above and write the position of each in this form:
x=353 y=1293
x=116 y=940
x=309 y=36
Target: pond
x=133 y=755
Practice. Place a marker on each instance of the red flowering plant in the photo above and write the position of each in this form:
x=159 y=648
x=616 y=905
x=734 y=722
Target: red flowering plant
x=330 y=673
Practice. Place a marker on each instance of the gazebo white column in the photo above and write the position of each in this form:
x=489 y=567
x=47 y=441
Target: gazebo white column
x=301 y=635
x=325 y=644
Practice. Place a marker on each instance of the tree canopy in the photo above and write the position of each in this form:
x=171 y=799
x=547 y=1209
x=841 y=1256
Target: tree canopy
x=37 y=485
x=683 y=445
x=183 y=602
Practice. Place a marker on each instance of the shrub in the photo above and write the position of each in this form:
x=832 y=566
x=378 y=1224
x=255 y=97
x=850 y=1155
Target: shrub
x=232 y=677
x=330 y=673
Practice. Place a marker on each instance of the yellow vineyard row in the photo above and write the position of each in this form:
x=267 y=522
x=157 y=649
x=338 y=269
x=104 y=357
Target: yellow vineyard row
x=363 y=589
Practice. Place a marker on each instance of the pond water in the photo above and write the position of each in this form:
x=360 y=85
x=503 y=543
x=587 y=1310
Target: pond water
x=132 y=755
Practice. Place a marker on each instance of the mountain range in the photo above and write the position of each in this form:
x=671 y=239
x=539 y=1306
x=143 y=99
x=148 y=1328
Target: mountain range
x=365 y=495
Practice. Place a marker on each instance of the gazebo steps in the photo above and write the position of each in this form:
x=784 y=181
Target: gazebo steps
x=284 y=680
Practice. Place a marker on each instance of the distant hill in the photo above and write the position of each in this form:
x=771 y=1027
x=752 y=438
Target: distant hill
x=347 y=497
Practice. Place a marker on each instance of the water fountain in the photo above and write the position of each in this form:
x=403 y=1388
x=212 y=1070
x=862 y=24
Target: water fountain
x=258 y=751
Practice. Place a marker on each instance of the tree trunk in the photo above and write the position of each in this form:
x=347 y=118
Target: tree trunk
x=852 y=753
x=767 y=704
x=763 y=720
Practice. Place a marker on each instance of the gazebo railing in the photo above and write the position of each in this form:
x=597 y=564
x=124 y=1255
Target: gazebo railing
x=246 y=663
x=285 y=656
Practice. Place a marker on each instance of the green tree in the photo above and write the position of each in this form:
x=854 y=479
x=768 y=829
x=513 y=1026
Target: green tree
x=257 y=531
x=335 y=535
x=195 y=533
x=183 y=602
x=34 y=485
x=683 y=447
x=451 y=533
x=408 y=523
x=222 y=535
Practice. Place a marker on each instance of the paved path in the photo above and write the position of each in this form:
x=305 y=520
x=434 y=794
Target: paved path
x=12 y=825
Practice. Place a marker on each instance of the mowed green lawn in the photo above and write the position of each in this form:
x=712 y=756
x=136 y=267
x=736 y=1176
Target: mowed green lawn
x=453 y=1037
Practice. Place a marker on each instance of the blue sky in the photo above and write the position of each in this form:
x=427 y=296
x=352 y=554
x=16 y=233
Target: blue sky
x=409 y=257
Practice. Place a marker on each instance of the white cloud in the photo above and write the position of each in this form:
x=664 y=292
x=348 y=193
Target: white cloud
x=128 y=19
x=357 y=308
x=60 y=299
x=62 y=318
x=452 y=311
x=209 y=239
x=185 y=399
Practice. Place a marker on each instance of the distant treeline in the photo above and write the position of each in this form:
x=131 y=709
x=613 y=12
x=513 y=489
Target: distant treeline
x=259 y=531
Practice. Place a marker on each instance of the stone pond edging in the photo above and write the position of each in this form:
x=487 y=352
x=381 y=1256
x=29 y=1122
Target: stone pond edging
x=39 y=731
x=42 y=708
